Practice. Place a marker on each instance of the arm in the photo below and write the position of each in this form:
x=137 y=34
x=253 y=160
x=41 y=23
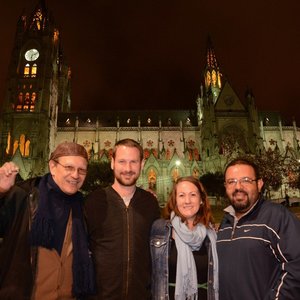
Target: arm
x=288 y=284
x=8 y=173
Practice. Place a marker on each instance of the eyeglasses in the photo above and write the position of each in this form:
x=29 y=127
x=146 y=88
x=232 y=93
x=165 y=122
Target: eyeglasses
x=71 y=169
x=246 y=181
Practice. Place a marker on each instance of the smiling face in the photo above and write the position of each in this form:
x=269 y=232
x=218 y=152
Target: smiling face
x=188 y=200
x=242 y=195
x=126 y=165
x=67 y=173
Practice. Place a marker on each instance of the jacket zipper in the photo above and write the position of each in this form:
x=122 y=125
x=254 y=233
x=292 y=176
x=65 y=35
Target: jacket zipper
x=233 y=228
x=128 y=254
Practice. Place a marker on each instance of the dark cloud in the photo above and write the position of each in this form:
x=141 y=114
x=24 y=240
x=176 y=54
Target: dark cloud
x=151 y=54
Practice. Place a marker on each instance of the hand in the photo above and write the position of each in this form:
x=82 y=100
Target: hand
x=8 y=173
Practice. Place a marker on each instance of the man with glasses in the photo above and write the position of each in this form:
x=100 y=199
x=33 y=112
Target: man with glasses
x=258 y=241
x=44 y=253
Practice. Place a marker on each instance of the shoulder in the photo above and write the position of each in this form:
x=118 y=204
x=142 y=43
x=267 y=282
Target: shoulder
x=160 y=227
x=95 y=205
x=22 y=189
x=96 y=196
x=148 y=203
x=145 y=195
x=268 y=207
x=277 y=216
x=29 y=185
x=96 y=193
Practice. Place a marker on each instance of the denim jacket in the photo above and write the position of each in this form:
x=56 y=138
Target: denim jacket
x=160 y=250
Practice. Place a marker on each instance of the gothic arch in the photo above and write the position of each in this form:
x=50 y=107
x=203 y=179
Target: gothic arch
x=233 y=139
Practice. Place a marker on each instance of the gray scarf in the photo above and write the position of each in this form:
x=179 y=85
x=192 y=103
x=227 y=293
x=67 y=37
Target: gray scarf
x=187 y=241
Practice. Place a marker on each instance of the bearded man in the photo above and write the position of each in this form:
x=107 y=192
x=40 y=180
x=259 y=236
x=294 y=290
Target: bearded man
x=258 y=241
x=119 y=220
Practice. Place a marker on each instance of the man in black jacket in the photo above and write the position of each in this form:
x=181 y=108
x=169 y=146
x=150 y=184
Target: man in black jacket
x=258 y=241
x=44 y=254
x=119 y=220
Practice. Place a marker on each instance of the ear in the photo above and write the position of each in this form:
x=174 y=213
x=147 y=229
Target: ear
x=52 y=167
x=112 y=162
x=142 y=164
x=260 y=184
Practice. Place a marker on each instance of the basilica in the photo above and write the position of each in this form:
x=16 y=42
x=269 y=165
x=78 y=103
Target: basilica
x=36 y=116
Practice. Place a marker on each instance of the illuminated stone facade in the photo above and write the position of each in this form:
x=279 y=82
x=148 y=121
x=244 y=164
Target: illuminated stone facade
x=36 y=117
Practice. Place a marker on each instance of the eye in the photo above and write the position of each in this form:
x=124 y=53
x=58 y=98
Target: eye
x=69 y=168
x=231 y=181
x=82 y=171
x=247 y=180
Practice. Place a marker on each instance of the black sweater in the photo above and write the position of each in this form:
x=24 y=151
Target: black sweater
x=119 y=240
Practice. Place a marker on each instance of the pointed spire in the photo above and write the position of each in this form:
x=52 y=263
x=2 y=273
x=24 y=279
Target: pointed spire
x=39 y=17
x=212 y=74
x=211 y=60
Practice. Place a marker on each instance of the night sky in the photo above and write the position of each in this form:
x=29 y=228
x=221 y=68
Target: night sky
x=150 y=54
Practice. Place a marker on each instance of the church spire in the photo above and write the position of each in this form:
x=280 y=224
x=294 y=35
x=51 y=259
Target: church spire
x=212 y=74
x=39 y=17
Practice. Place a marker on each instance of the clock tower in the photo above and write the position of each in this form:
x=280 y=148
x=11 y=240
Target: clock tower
x=38 y=87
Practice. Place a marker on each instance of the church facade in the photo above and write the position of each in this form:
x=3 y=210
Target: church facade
x=36 y=116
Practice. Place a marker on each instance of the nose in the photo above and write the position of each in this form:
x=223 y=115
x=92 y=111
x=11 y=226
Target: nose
x=238 y=185
x=187 y=199
x=128 y=167
x=75 y=173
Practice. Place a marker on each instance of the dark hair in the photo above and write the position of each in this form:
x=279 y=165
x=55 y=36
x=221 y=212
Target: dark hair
x=128 y=143
x=244 y=161
x=203 y=215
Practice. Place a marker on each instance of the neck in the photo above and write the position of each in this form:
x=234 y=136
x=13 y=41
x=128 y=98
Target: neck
x=123 y=190
x=190 y=224
x=238 y=215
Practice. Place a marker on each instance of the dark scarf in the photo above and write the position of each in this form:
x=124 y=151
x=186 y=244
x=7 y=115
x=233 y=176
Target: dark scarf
x=49 y=228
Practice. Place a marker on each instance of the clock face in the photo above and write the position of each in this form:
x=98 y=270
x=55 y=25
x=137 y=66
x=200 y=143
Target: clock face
x=32 y=55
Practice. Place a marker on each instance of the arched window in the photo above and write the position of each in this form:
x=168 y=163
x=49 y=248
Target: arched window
x=208 y=79
x=22 y=144
x=26 y=70
x=219 y=80
x=20 y=98
x=32 y=102
x=20 y=102
x=8 y=146
x=27 y=148
x=175 y=174
x=214 y=78
x=27 y=101
x=152 y=179
x=16 y=145
x=34 y=70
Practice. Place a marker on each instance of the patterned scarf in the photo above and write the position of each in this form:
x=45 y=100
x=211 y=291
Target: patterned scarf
x=49 y=227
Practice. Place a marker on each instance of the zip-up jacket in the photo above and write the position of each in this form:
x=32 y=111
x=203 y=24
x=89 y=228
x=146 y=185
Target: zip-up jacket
x=119 y=240
x=259 y=255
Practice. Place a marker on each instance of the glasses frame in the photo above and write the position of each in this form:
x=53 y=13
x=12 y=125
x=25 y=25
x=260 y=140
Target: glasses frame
x=72 y=169
x=242 y=181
